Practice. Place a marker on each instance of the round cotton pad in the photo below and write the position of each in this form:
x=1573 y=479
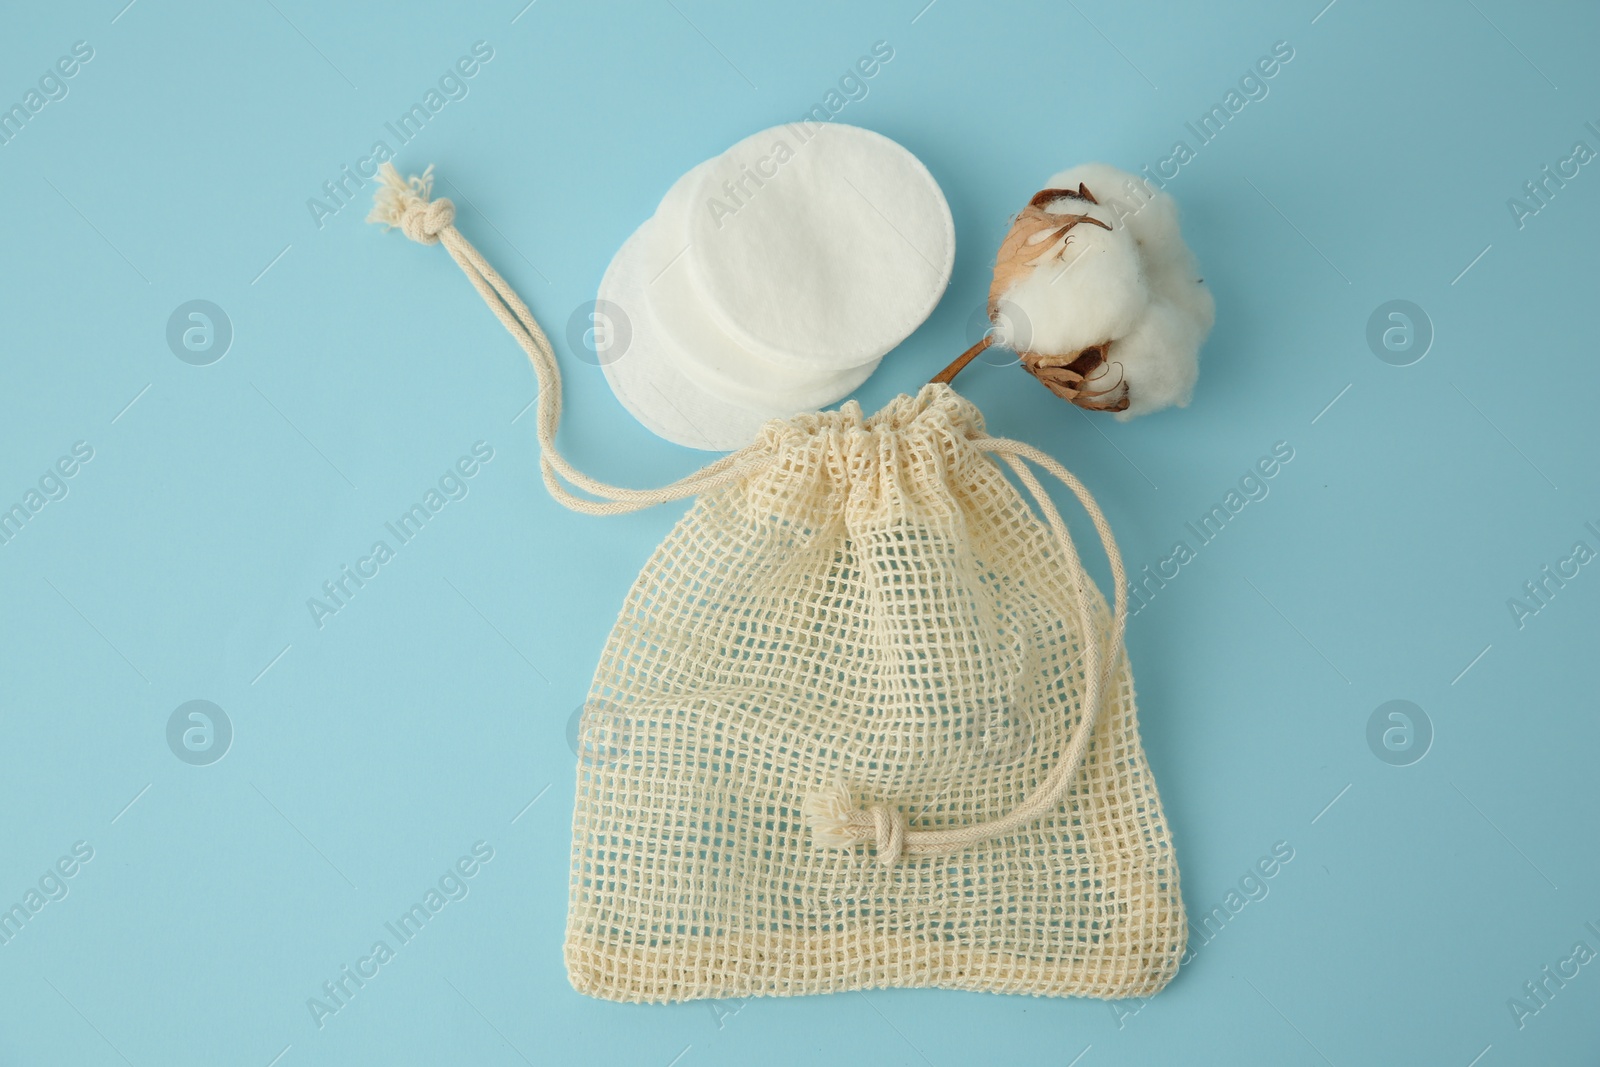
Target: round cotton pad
x=703 y=350
x=820 y=245
x=650 y=384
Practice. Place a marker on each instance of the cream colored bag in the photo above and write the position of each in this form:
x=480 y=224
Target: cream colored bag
x=863 y=720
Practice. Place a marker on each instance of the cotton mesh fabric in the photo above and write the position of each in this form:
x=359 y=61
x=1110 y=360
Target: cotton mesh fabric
x=878 y=603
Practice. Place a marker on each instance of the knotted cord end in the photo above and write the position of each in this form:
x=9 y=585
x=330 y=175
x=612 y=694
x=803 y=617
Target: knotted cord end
x=827 y=812
x=406 y=204
x=836 y=822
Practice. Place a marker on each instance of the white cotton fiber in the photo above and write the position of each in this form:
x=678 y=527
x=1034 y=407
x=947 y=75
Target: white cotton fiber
x=1152 y=215
x=1087 y=286
x=1127 y=197
x=1134 y=292
x=1158 y=358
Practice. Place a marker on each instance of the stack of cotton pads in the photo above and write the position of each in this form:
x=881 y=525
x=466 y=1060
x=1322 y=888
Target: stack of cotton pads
x=772 y=279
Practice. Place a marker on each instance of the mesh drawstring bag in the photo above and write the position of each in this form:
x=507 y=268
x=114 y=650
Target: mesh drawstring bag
x=863 y=720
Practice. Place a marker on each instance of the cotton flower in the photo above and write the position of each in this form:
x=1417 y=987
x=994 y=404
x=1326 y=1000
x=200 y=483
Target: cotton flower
x=1097 y=293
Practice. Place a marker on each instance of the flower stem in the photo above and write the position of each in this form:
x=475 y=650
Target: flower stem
x=948 y=374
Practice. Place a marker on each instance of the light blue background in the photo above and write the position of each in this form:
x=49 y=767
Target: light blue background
x=370 y=754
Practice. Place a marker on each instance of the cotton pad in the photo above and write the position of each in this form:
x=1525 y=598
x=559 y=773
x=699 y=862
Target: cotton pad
x=703 y=350
x=650 y=383
x=820 y=245
x=772 y=280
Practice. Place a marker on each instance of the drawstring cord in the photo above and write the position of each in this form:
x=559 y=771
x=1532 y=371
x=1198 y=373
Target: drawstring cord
x=406 y=204
x=831 y=812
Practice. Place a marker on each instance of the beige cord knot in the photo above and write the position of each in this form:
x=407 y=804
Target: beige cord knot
x=888 y=833
x=423 y=223
x=405 y=203
x=837 y=823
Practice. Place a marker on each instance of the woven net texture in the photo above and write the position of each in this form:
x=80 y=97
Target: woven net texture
x=878 y=604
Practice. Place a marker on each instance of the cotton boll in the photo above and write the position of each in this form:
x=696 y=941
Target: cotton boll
x=1076 y=296
x=1074 y=290
x=1152 y=215
x=1112 y=316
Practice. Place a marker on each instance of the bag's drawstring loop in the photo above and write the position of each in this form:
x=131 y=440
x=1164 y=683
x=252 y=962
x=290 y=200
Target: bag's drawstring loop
x=407 y=204
x=835 y=820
